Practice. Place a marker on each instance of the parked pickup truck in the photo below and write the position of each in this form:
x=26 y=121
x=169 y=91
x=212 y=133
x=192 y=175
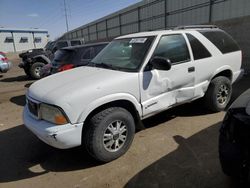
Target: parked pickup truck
x=34 y=59
x=134 y=77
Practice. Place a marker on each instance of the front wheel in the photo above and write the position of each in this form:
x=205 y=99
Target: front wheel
x=218 y=94
x=109 y=134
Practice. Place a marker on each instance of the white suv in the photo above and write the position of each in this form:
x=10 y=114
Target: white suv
x=134 y=77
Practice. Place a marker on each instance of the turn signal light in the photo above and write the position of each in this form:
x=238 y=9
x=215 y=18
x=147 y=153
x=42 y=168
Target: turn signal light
x=65 y=67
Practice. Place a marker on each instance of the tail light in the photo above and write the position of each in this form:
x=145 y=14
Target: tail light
x=65 y=67
x=5 y=59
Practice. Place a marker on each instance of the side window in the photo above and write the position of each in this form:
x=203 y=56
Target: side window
x=75 y=42
x=221 y=40
x=86 y=54
x=98 y=48
x=199 y=50
x=173 y=47
x=61 y=44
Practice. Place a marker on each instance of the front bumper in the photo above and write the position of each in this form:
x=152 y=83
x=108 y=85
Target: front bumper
x=4 y=67
x=58 y=136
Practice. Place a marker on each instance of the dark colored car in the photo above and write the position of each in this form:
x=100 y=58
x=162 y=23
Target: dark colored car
x=34 y=59
x=234 y=140
x=71 y=57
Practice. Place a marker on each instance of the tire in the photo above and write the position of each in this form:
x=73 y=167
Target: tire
x=35 y=70
x=106 y=149
x=218 y=94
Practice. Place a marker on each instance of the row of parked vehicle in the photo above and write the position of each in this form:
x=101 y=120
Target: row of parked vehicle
x=55 y=57
x=101 y=103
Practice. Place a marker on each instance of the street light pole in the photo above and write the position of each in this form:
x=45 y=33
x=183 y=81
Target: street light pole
x=66 y=15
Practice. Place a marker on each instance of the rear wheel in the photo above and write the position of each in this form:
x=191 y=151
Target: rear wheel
x=109 y=134
x=218 y=94
x=35 y=70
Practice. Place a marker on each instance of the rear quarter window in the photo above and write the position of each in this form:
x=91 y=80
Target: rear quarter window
x=199 y=50
x=75 y=42
x=221 y=40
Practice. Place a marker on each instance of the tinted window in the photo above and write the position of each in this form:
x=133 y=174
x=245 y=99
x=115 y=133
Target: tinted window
x=221 y=40
x=61 y=44
x=98 y=48
x=86 y=53
x=78 y=56
x=64 y=56
x=173 y=47
x=75 y=42
x=199 y=51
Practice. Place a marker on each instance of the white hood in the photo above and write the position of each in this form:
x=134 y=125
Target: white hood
x=74 y=89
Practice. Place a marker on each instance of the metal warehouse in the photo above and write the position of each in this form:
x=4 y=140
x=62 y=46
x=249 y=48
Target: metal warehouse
x=230 y=15
x=15 y=40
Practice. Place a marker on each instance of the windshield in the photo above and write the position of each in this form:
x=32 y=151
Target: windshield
x=63 y=56
x=124 y=54
x=49 y=45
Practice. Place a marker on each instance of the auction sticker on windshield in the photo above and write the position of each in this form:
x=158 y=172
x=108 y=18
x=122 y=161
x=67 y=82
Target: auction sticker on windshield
x=138 y=40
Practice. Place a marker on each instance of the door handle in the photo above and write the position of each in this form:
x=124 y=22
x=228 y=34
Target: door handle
x=191 y=69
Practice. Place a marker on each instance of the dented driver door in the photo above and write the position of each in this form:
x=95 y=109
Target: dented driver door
x=162 y=89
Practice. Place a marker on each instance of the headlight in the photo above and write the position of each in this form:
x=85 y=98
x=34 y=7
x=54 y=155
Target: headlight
x=248 y=108
x=30 y=51
x=52 y=114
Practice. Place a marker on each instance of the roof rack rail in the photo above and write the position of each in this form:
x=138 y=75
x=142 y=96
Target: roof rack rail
x=196 y=27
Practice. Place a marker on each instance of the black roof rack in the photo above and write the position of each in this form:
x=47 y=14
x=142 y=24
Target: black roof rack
x=196 y=27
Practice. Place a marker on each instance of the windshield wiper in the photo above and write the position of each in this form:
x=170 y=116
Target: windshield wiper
x=103 y=65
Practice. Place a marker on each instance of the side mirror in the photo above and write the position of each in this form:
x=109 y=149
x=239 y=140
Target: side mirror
x=160 y=63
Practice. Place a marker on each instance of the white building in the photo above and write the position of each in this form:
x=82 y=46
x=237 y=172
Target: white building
x=15 y=40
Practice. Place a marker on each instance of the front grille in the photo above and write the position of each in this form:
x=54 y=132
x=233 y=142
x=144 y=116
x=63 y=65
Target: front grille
x=33 y=107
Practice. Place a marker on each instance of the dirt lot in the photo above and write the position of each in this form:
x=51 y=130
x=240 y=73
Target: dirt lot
x=178 y=148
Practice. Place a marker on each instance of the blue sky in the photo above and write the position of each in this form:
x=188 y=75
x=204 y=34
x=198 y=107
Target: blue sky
x=49 y=14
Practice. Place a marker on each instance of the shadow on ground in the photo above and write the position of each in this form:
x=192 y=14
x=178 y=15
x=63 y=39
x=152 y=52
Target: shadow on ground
x=21 y=151
x=240 y=86
x=16 y=79
x=18 y=100
x=195 y=163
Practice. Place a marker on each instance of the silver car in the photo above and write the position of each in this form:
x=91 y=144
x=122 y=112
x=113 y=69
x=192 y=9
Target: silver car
x=5 y=64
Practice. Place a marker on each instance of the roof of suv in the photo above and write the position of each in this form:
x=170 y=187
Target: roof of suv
x=174 y=30
x=84 y=45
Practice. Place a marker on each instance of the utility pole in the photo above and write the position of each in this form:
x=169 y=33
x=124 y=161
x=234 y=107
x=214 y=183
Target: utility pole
x=66 y=15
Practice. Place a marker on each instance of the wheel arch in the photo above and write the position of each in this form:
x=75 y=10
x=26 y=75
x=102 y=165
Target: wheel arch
x=41 y=58
x=131 y=106
x=224 y=71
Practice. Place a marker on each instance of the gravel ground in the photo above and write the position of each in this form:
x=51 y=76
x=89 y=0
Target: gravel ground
x=178 y=148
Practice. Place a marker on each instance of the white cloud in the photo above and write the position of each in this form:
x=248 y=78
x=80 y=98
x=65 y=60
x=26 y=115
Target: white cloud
x=33 y=15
